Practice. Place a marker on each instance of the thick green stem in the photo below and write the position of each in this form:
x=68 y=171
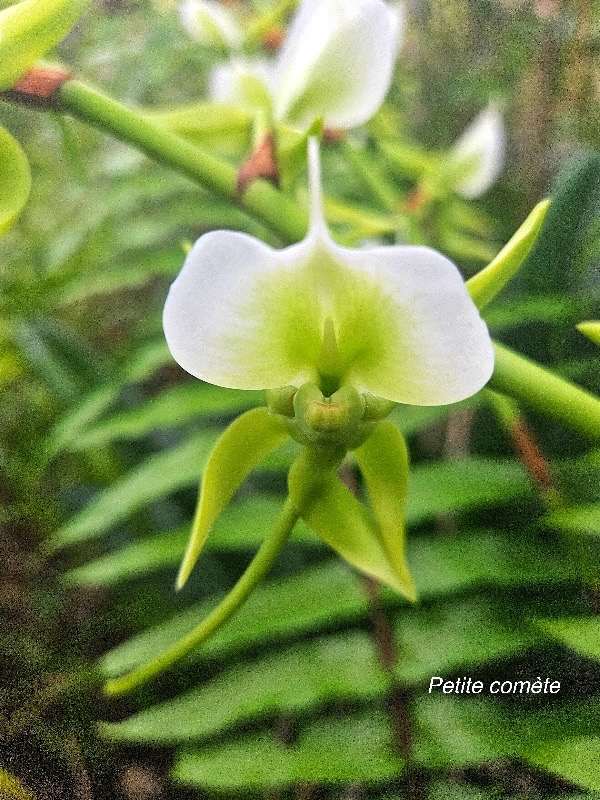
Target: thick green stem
x=547 y=393
x=259 y=566
x=265 y=203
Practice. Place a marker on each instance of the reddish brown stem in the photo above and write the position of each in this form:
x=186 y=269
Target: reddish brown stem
x=262 y=163
x=534 y=461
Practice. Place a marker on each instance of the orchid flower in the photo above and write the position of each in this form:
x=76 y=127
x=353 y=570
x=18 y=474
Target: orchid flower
x=480 y=153
x=336 y=64
x=338 y=336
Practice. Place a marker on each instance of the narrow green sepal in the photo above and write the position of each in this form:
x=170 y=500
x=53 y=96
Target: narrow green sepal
x=338 y=518
x=384 y=464
x=591 y=329
x=15 y=180
x=242 y=446
x=487 y=283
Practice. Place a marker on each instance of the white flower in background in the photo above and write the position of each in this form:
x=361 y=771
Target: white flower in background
x=394 y=321
x=336 y=63
x=482 y=151
x=211 y=24
x=397 y=12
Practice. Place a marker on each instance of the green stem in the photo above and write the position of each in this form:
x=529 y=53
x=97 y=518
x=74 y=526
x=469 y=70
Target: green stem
x=265 y=203
x=547 y=393
x=257 y=569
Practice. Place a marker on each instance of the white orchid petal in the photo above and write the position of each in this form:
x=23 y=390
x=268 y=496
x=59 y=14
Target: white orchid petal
x=483 y=145
x=413 y=334
x=211 y=24
x=336 y=63
x=241 y=314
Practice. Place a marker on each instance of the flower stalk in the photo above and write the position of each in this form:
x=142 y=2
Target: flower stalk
x=255 y=572
x=278 y=212
x=545 y=392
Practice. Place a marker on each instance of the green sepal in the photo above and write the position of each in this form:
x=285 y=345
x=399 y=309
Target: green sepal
x=591 y=329
x=487 y=283
x=384 y=464
x=337 y=517
x=15 y=180
x=30 y=29
x=241 y=447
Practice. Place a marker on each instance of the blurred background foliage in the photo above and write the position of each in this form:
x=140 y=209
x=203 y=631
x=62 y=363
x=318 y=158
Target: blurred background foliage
x=318 y=688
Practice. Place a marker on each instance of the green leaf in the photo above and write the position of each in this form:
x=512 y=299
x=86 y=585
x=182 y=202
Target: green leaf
x=11 y=788
x=240 y=448
x=170 y=408
x=290 y=680
x=484 y=286
x=483 y=729
x=310 y=674
x=353 y=748
x=467 y=633
x=449 y=732
x=591 y=329
x=447 y=790
x=463 y=484
x=160 y=475
x=330 y=594
x=581 y=634
x=29 y=29
x=132 y=561
x=443 y=565
x=15 y=179
x=383 y=462
x=549 y=267
x=70 y=428
x=582 y=520
x=575 y=760
x=297 y=604
x=522 y=311
x=73 y=425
